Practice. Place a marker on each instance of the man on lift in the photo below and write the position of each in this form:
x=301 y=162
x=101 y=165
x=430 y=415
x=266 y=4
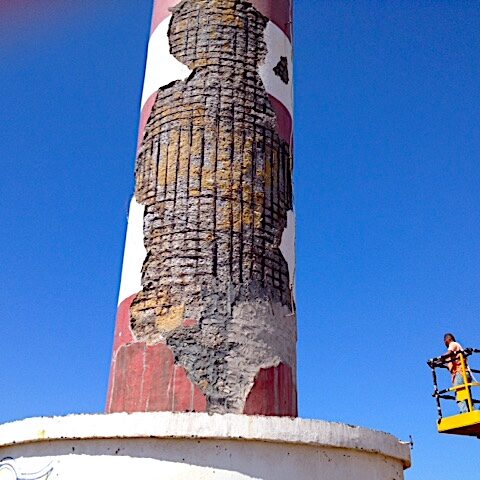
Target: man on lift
x=455 y=366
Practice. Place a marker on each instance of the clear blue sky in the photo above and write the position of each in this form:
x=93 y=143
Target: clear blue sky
x=387 y=198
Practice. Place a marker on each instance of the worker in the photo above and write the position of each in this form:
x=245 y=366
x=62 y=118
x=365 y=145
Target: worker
x=455 y=366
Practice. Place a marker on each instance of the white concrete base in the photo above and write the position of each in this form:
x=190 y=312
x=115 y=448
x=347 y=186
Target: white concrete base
x=196 y=446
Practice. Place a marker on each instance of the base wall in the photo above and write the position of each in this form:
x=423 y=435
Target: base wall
x=324 y=453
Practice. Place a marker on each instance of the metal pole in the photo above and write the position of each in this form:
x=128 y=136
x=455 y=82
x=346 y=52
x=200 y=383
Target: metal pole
x=466 y=382
x=436 y=394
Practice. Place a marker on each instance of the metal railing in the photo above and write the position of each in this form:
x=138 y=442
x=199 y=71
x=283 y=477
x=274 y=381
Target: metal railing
x=462 y=392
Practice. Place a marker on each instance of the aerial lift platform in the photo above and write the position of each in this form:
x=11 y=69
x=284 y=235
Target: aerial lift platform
x=464 y=423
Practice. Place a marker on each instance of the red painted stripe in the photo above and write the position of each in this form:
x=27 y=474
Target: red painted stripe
x=160 y=362
x=134 y=362
x=284 y=119
x=146 y=379
x=273 y=393
x=161 y=11
x=125 y=392
x=182 y=391
x=279 y=12
x=123 y=334
x=199 y=400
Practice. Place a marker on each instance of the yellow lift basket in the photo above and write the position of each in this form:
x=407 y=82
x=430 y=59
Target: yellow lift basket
x=463 y=423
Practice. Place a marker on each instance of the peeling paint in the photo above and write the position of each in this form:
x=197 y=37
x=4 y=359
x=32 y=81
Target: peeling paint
x=214 y=180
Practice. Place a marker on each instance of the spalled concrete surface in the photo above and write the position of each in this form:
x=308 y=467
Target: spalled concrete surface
x=214 y=177
x=177 y=446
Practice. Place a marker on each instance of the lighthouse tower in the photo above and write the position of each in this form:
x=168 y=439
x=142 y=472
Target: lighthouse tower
x=206 y=318
x=203 y=374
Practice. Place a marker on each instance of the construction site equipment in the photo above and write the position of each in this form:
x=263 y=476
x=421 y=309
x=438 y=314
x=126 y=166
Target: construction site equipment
x=464 y=423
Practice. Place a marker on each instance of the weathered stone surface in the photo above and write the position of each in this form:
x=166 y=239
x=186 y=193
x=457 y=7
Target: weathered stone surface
x=215 y=179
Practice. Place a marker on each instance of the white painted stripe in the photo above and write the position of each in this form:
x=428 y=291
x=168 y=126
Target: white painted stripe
x=162 y=67
x=135 y=253
x=278 y=45
x=288 y=248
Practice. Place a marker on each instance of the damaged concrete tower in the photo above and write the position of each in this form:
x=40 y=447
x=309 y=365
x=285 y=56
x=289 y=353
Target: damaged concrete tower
x=206 y=318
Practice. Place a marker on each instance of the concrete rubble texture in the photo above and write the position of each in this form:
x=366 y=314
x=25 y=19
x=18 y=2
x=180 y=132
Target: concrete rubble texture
x=215 y=179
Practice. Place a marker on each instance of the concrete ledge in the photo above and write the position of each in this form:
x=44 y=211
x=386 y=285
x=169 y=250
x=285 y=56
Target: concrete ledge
x=203 y=426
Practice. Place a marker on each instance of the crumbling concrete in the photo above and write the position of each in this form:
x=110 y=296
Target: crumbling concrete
x=215 y=179
x=281 y=70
